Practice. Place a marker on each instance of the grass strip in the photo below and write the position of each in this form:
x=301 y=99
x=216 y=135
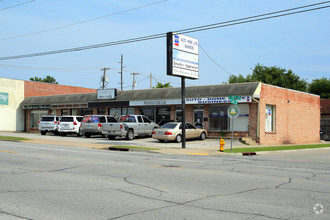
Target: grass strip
x=134 y=147
x=275 y=148
x=9 y=138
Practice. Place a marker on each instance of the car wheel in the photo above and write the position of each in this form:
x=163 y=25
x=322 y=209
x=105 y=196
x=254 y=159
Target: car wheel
x=43 y=132
x=178 y=138
x=202 y=136
x=111 y=137
x=130 y=134
x=87 y=135
x=161 y=141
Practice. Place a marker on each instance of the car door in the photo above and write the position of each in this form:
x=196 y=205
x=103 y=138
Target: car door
x=191 y=131
x=148 y=126
x=141 y=126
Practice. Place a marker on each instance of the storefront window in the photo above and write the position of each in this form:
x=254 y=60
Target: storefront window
x=35 y=117
x=117 y=112
x=101 y=111
x=270 y=118
x=149 y=112
x=163 y=115
x=160 y=115
x=77 y=111
x=87 y=111
x=218 y=118
x=65 y=112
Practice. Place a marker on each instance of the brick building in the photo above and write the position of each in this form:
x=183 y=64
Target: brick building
x=268 y=114
x=325 y=119
x=13 y=92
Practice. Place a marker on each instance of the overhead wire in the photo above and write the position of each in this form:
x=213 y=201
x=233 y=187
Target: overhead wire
x=213 y=60
x=81 y=22
x=183 y=31
x=13 y=6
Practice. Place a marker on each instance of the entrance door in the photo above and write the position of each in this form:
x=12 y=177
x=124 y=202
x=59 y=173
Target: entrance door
x=198 y=118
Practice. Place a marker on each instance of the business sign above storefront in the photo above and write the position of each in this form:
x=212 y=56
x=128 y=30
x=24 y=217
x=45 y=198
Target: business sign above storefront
x=4 y=98
x=36 y=107
x=214 y=100
x=106 y=93
x=182 y=56
x=155 y=102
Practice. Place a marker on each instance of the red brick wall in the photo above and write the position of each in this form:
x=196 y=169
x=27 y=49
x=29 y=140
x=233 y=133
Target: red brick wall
x=44 y=89
x=297 y=116
x=325 y=106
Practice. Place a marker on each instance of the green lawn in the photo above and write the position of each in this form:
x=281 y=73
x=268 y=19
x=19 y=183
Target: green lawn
x=8 y=138
x=275 y=148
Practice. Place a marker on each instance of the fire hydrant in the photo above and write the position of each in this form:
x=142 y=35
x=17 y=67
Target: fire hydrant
x=222 y=143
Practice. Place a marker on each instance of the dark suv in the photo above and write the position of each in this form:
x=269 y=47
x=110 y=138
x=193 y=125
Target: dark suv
x=48 y=123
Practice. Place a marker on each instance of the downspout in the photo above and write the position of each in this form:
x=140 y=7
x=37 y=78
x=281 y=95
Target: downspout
x=258 y=114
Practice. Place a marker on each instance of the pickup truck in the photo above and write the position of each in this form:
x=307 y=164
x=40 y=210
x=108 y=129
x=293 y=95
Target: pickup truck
x=129 y=126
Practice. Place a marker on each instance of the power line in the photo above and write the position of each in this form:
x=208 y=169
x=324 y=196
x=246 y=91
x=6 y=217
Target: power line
x=46 y=68
x=213 y=60
x=81 y=22
x=183 y=31
x=1 y=9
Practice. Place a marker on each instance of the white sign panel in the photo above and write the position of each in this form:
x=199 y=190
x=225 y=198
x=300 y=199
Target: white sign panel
x=185 y=43
x=182 y=57
x=106 y=93
x=215 y=100
x=155 y=102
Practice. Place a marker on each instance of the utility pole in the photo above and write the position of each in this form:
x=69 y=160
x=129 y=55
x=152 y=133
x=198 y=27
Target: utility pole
x=134 y=79
x=121 y=72
x=103 y=78
x=150 y=80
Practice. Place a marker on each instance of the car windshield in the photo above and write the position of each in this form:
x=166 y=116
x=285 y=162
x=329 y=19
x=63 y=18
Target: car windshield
x=47 y=119
x=91 y=119
x=67 y=119
x=169 y=125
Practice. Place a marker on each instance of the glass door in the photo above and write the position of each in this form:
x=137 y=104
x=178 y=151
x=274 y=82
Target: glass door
x=198 y=118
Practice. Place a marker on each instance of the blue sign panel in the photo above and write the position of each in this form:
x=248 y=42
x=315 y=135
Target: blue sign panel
x=3 y=98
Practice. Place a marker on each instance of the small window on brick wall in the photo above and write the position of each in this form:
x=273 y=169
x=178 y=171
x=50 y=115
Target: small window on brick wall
x=270 y=114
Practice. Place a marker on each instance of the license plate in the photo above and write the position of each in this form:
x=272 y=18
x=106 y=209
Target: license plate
x=111 y=132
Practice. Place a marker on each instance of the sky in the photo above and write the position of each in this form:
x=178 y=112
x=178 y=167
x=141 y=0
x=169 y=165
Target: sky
x=298 y=42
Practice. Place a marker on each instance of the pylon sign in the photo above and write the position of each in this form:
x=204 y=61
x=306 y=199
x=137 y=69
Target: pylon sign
x=182 y=56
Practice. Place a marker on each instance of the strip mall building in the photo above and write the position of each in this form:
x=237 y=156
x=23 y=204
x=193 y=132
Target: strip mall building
x=268 y=114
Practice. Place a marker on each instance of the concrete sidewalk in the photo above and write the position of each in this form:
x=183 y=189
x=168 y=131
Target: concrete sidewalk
x=210 y=146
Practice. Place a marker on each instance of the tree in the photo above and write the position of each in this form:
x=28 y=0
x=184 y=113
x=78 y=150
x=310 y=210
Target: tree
x=274 y=76
x=320 y=87
x=160 y=85
x=48 y=79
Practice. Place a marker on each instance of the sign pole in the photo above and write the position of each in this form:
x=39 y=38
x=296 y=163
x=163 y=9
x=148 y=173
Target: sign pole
x=232 y=134
x=183 y=107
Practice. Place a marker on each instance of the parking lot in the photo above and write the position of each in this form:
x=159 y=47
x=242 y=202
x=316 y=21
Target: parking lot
x=142 y=142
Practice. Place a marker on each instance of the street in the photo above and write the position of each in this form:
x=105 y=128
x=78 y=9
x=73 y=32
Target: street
x=41 y=181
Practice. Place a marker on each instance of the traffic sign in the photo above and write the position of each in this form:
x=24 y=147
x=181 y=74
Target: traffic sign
x=233 y=111
x=234 y=99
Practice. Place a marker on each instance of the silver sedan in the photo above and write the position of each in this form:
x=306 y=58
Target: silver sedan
x=172 y=131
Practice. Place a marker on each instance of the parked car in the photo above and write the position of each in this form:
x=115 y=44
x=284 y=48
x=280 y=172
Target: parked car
x=130 y=126
x=172 y=131
x=92 y=124
x=70 y=125
x=48 y=123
